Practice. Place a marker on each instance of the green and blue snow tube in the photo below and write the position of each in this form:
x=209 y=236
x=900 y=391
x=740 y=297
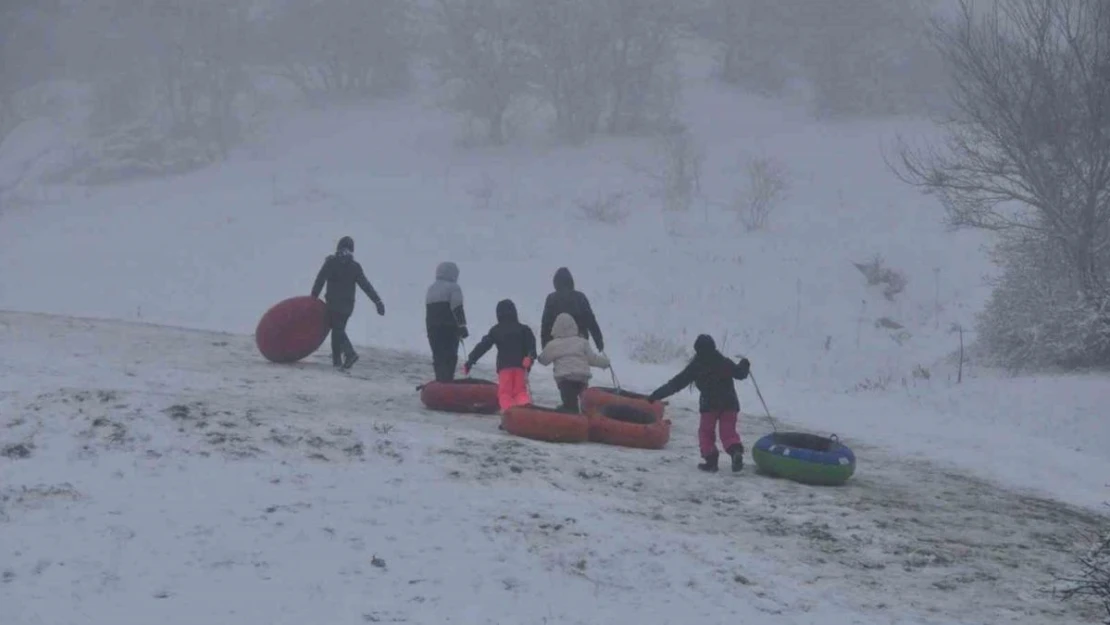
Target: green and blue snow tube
x=804 y=458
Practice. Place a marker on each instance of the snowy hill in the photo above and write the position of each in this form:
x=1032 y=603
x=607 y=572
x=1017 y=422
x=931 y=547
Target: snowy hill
x=153 y=474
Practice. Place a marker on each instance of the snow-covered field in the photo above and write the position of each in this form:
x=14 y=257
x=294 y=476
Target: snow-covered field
x=165 y=475
x=162 y=475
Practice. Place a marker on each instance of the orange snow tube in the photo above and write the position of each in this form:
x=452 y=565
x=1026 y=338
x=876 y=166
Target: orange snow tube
x=472 y=395
x=546 y=424
x=629 y=426
x=596 y=399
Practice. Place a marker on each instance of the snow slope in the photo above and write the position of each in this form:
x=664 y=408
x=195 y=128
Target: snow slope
x=160 y=475
x=214 y=249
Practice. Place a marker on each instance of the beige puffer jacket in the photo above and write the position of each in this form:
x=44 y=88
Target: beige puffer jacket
x=571 y=353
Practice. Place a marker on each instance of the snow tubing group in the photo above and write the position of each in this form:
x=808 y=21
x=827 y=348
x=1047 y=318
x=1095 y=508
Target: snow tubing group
x=805 y=458
x=292 y=329
x=468 y=395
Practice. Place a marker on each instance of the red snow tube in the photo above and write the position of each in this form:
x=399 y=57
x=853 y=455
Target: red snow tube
x=546 y=424
x=629 y=426
x=466 y=395
x=292 y=329
x=596 y=399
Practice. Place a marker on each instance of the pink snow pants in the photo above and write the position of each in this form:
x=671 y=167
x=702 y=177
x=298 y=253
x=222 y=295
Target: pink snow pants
x=512 y=388
x=726 y=422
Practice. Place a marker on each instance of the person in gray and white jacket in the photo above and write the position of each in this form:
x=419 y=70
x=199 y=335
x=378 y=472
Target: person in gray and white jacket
x=445 y=320
x=573 y=358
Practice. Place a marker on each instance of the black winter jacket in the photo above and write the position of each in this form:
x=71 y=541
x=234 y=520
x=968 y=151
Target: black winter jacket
x=513 y=339
x=566 y=299
x=341 y=272
x=712 y=373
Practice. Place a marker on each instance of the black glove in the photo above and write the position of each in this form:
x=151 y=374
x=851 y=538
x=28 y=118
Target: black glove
x=463 y=332
x=745 y=367
x=381 y=308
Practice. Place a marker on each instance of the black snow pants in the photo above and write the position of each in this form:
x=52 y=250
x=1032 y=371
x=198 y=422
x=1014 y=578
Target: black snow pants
x=569 y=390
x=340 y=343
x=444 y=341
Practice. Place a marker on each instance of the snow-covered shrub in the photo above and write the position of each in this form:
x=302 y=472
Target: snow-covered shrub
x=1092 y=577
x=604 y=65
x=482 y=55
x=605 y=209
x=676 y=174
x=335 y=50
x=877 y=273
x=166 y=86
x=1037 y=316
x=768 y=184
x=658 y=350
x=882 y=62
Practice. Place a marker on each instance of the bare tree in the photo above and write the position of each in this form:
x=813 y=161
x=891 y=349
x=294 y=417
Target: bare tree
x=604 y=64
x=341 y=49
x=642 y=72
x=1027 y=153
x=484 y=58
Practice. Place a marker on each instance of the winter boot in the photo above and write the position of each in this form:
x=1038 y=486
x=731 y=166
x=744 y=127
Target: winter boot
x=351 y=359
x=710 y=464
x=737 y=453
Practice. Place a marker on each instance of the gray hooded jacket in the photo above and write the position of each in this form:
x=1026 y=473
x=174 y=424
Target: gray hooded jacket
x=444 y=300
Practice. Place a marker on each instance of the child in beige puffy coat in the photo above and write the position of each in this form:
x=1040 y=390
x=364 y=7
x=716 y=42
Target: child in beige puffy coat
x=573 y=358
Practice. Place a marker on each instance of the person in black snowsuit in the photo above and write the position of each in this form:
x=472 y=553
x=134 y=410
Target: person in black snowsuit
x=516 y=351
x=445 y=320
x=565 y=299
x=341 y=272
x=712 y=373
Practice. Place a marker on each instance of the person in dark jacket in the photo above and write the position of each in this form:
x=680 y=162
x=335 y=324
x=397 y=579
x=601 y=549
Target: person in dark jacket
x=516 y=350
x=712 y=373
x=445 y=320
x=341 y=272
x=566 y=299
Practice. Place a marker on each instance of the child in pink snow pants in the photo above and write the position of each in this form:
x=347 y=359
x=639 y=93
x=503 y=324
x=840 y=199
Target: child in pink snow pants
x=516 y=349
x=713 y=374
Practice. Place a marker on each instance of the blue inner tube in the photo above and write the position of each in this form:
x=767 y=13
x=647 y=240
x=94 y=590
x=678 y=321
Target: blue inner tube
x=806 y=458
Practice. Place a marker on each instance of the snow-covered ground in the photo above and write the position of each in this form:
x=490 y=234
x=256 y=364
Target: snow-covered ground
x=124 y=499
x=160 y=475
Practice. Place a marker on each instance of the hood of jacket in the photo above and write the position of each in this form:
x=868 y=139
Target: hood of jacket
x=704 y=345
x=346 y=243
x=564 y=327
x=447 y=271
x=506 y=312
x=563 y=281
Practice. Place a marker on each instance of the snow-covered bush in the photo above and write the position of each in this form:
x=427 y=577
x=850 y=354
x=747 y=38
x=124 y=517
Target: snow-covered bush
x=483 y=57
x=658 y=350
x=768 y=184
x=336 y=50
x=676 y=172
x=166 y=85
x=605 y=209
x=876 y=272
x=1092 y=578
x=858 y=57
x=1037 y=316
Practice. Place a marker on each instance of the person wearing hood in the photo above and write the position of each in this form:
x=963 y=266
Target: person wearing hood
x=573 y=357
x=341 y=273
x=516 y=349
x=713 y=374
x=445 y=320
x=565 y=299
